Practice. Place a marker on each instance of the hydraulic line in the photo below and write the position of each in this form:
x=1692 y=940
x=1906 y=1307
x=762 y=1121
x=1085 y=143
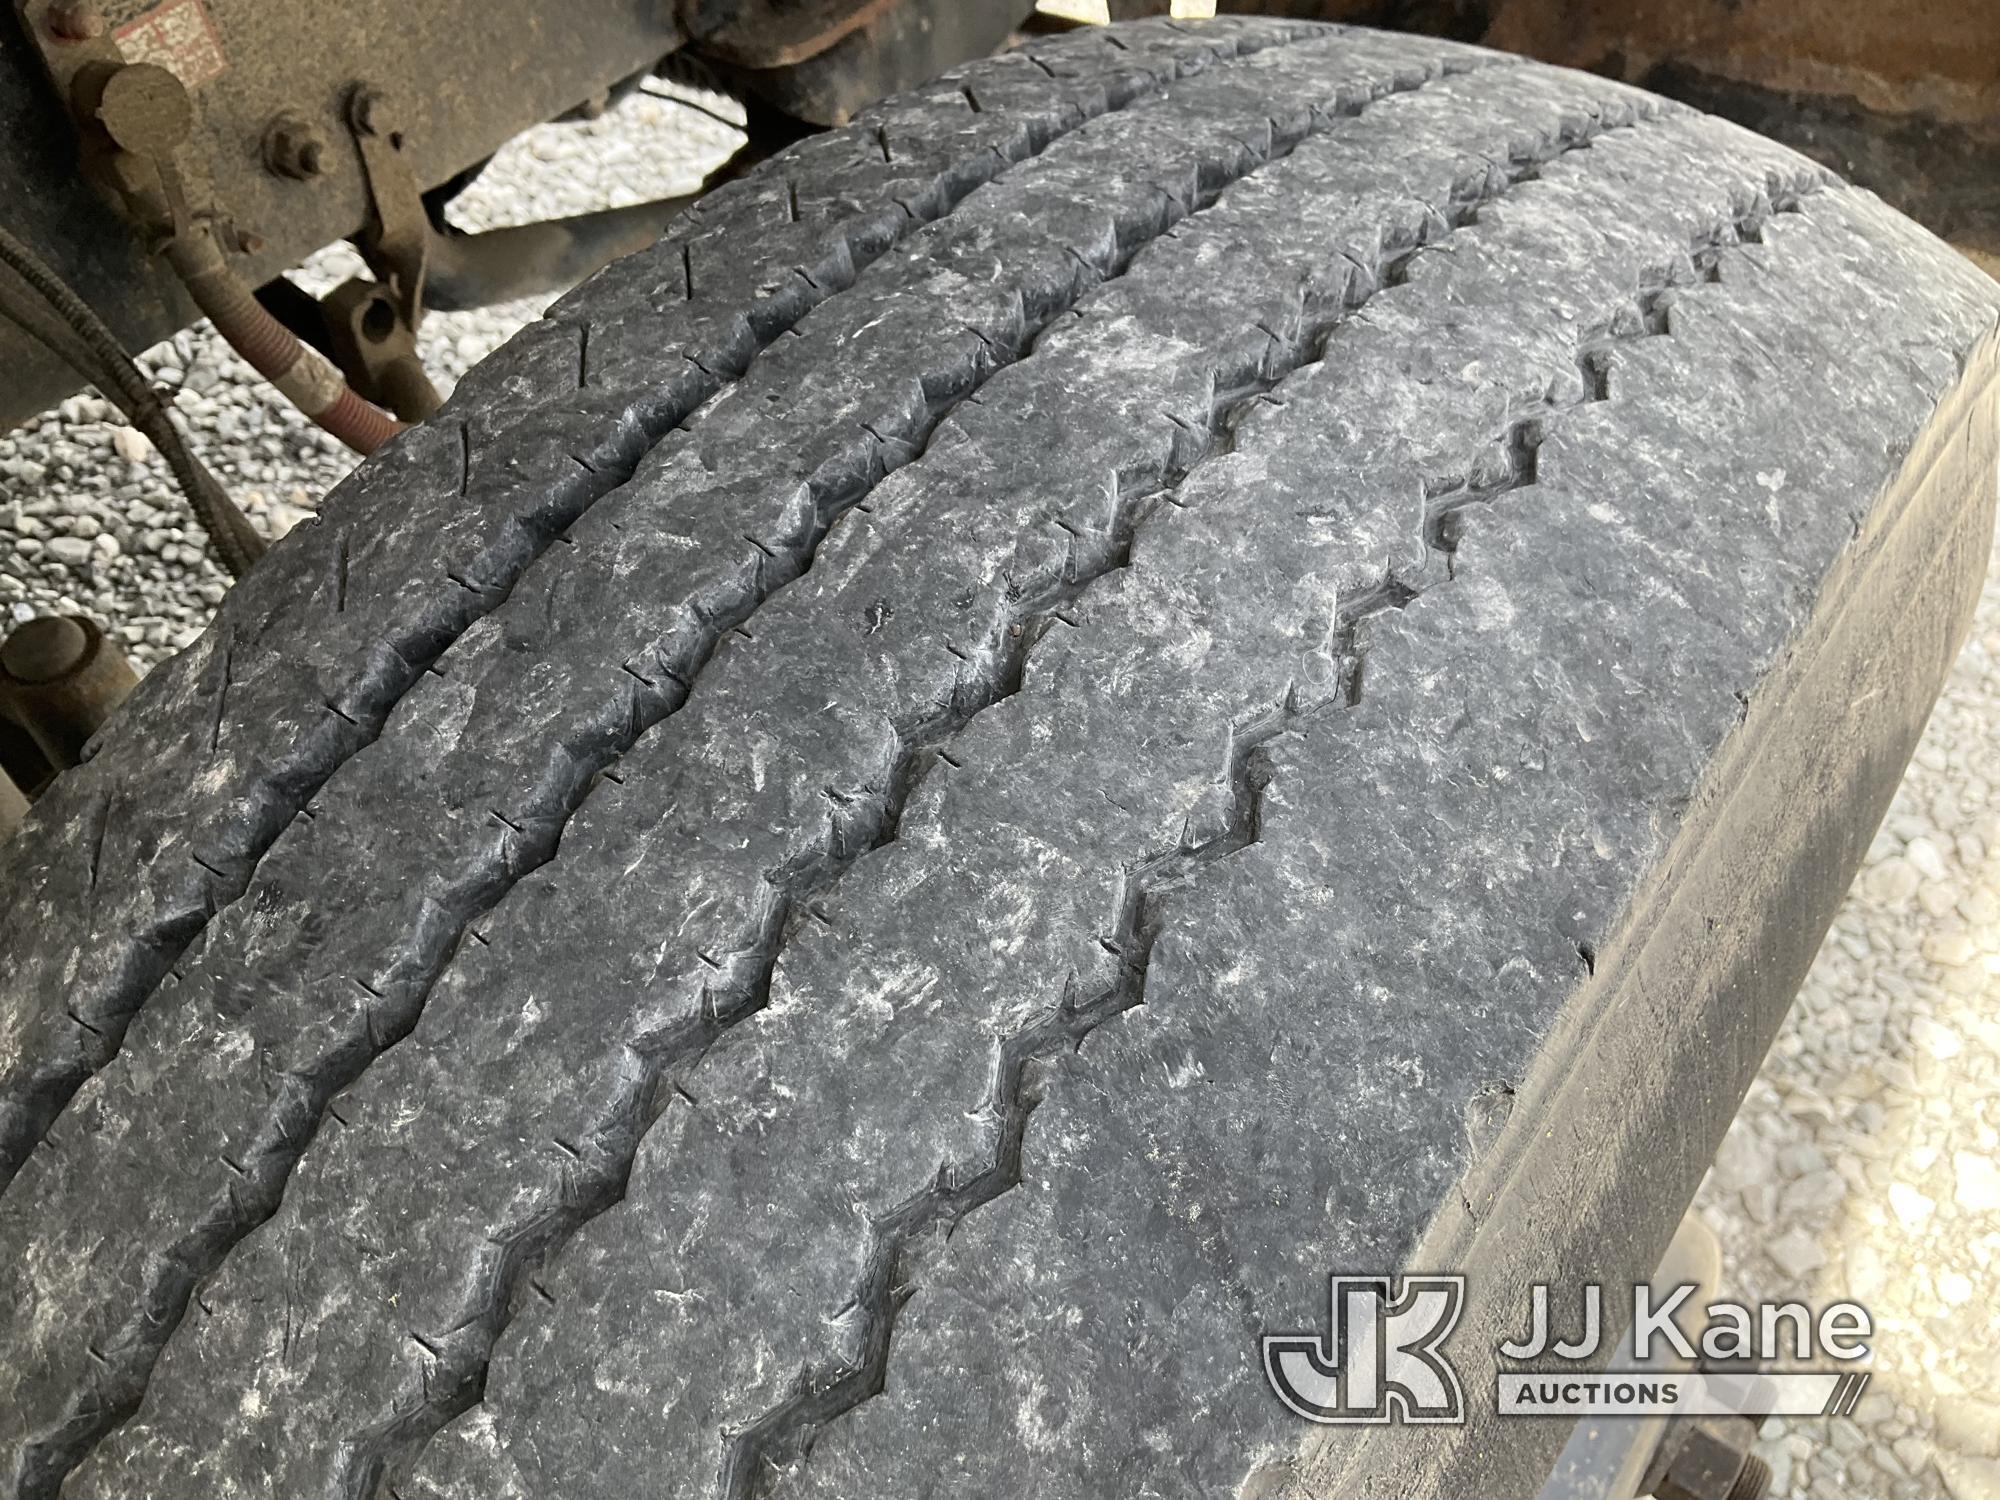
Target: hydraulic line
x=301 y=373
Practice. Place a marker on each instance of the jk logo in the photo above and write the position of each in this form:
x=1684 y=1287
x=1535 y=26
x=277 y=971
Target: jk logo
x=1380 y=1360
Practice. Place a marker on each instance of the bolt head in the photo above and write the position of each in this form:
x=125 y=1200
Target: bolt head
x=294 y=149
x=77 y=21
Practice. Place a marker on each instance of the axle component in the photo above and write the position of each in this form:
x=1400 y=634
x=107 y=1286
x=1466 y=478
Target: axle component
x=61 y=677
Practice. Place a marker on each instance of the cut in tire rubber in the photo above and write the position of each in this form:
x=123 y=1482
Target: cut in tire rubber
x=1197 y=656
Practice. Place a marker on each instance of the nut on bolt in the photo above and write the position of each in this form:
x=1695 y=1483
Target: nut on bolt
x=77 y=20
x=293 y=148
x=1713 y=1461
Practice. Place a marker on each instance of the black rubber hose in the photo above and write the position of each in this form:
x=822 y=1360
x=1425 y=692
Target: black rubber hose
x=93 y=350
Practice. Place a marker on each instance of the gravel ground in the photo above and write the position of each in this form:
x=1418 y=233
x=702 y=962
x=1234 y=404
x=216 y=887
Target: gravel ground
x=1866 y=1160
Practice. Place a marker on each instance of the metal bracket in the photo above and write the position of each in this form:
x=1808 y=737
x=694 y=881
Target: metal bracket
x=396 y=243
x=376 y=349
x=373 y=325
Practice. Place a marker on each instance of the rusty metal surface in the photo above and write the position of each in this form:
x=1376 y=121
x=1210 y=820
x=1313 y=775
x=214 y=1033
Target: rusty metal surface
x=463 y=78
x=396 y=242
x=61 y=677
x=377 y=350
x=468 y=76
x=1935 y=57
x=779 y=33
x=899 y=46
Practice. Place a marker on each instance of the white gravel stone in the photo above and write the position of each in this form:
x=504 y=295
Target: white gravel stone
x=1976 y=1182
x=131 y=443
x=1913 y=1453
x=1816 y=1194
x=1969 y=1425
x=1912 y=1207
x=1892 y=883
x=1796 y=1253
x=1980 y=906
x=1970 y=1478
x=1937 y=898
x=1875 y=1408
x=1801 y=1159
x=1739 y=1161
x=71 y=551
x=1950 y=946
x=1866 y=1272
x=1923 y=853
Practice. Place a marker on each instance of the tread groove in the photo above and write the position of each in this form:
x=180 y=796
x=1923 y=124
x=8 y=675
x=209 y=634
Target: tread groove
x=35 y=1091
x=899 y=1239
x=853 y=831
x=291 y=1125
x=992 y=676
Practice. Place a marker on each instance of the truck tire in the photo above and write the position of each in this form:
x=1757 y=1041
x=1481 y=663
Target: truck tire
x=1195 y=657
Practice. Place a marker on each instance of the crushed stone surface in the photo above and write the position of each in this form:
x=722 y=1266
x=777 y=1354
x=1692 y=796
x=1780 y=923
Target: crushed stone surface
x=1865 y=1162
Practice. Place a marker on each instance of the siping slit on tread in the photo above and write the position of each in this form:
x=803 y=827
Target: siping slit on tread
x=994 y=673
x=900 y=1239
x=251 y=1191
x=37 y=1090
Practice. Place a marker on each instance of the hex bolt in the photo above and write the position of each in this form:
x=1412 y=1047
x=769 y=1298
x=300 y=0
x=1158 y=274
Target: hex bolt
x=76 y=21
x=1711 y=1460
x=60 y=679
x=293 y=148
